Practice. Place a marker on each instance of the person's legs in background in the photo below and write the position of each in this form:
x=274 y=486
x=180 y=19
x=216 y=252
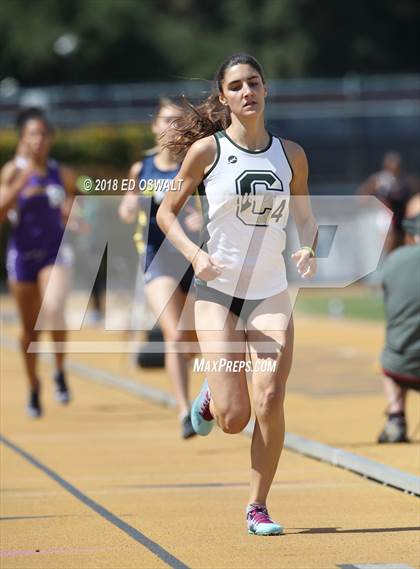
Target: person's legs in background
x=54 y=285
x=166 y=301
x=395 y=429
x=28 y=301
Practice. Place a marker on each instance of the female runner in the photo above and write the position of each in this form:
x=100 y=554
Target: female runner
x=36 y=194
x=168 y=276
x=246 y=177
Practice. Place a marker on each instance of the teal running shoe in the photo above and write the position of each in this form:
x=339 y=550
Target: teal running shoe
x=201 y=418
x=259 y=522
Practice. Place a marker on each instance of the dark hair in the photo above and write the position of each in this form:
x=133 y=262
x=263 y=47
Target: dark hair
x=165 y=102
x=210 y=116
x=28 y=114
x=237 y=59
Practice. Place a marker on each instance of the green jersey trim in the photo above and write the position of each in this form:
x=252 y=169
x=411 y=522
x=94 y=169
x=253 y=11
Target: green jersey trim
x=270 y=142
x=216 y=138
x=204 y=234
x=287 y=158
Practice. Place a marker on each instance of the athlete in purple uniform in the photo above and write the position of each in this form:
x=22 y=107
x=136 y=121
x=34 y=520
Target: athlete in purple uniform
x=35 y=195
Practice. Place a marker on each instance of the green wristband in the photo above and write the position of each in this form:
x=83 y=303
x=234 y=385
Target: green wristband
x=307 y=248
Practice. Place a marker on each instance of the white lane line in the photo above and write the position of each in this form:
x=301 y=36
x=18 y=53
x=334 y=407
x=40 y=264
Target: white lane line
x=109 y=516
x=370 y=469
x=332 y=455
x=375 y=566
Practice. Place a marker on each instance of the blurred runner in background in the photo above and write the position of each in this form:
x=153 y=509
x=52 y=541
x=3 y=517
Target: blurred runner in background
x=36 y=195
x=394 y=188
x=168 y=276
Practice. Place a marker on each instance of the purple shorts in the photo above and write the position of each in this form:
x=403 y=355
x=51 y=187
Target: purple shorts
x=25 y=266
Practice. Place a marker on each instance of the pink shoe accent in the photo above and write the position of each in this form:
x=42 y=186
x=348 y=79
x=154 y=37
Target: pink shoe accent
x=258 y=515
x=205 y=407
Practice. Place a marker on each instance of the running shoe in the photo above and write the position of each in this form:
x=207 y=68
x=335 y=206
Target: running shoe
x=201 y=418
x=34 y=409
x=187 y=428
x=259 y=522
x=394 y=431
x=62 y=393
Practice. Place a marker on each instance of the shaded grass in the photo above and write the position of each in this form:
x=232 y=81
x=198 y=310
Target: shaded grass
x=345 y=303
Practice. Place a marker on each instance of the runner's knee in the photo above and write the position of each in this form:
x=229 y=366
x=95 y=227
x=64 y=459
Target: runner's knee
x=174 y=337
x=233 y=421
x=268 y=400
x=52 y=313
x=28 y=336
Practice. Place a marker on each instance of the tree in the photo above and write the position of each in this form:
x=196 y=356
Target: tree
x=148 y=40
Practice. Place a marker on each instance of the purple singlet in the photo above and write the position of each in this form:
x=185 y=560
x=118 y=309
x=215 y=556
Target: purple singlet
x=37 y=226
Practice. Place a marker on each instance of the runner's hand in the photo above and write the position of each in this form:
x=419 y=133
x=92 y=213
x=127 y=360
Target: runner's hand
x=128 y=208
x=205 y=268
x=24 y=169
x=305 y=264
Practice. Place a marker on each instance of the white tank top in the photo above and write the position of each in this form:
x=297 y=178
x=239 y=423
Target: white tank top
x=245 y=199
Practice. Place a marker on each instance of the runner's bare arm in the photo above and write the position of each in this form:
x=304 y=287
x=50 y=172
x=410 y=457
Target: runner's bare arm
x=300 y=200
x=129 y=207
x=68 y=175
x=368 y=187
x=69 y=178
x=199 y=158
x=12 y=180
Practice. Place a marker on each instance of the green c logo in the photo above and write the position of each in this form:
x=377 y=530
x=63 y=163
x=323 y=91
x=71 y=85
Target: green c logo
x=254 y=189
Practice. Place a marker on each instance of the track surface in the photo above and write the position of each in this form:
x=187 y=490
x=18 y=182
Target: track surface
x=107 y=482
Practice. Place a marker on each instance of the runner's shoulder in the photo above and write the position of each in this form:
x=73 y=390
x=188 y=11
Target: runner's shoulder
x=295 y=154
x=203 y=151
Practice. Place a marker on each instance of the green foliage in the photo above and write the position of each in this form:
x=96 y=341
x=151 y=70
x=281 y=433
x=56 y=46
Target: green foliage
x=132 y=40
x=115 y=147
x=8 y=141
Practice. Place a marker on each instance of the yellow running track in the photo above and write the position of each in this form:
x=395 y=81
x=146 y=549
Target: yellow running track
x=107 y=481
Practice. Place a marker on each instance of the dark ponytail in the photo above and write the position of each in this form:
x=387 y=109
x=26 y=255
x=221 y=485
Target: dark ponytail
x=208 y=117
